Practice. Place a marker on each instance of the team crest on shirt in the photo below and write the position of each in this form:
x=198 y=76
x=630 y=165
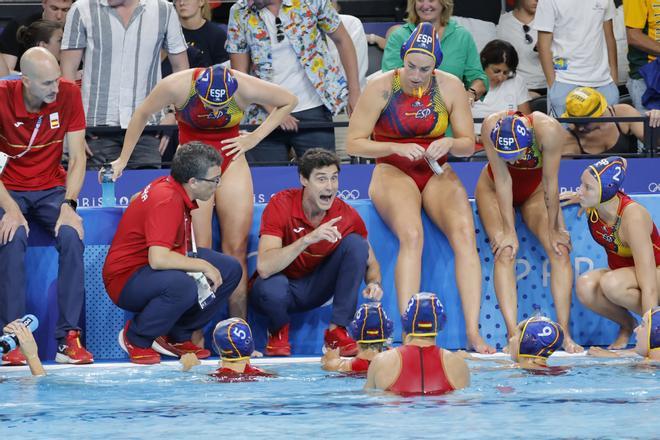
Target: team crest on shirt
x=55 y=120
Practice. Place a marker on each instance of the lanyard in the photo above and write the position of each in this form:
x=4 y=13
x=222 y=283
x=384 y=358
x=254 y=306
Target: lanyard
x=32 y=138
x=193 y=244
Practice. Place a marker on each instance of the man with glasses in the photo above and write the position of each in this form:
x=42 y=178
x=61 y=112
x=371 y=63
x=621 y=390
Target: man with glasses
x=285 y=42
x=516 y=28
x=154 y=268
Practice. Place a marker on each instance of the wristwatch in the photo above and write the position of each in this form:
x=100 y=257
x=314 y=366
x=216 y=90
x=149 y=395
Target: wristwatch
x=71 y=202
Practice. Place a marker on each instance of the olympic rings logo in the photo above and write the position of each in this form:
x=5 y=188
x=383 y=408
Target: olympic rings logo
x=348 y=194
x=654 y=187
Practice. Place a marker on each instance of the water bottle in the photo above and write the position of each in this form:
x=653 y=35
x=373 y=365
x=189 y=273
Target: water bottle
x=107 y=187
x=9 y=341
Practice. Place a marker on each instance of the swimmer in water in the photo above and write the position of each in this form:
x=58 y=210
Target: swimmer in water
x=370 y=328
x=419 y=366
x=648 y=340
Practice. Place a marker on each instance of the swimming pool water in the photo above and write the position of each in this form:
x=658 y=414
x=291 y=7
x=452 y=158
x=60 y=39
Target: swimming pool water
x=595 y=399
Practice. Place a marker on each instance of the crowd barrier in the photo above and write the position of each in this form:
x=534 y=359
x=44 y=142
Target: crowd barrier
x=102 y=320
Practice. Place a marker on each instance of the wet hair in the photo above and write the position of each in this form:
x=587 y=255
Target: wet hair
x=40 y=31
x=193 y=159
x=445 y=15
x=316 y=158
x=497 y=52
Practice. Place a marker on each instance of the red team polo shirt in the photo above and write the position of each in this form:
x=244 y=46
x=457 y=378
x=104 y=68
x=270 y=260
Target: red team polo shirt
x=40 y=168
x=159 y=216
x=284 y=218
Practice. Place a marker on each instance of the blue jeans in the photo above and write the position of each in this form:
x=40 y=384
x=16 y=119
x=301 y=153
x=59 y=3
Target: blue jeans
x=558 y=92
x=339 y=275
x=43 y=207
x=637 y=88
x=165 y=301
x=274 y=150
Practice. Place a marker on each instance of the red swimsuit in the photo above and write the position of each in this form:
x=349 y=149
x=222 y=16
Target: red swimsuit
x=411 y=119
x=422 y=371
x=198 y=123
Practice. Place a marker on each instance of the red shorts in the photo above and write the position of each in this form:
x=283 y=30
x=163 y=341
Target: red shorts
x=213 y=138
x=524 y=182
x=418 y=170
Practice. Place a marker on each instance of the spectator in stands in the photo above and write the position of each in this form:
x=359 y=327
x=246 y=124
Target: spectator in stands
x=643 y=32
x=461 y=57
x=209 y=105
x=41 y=111
x=370 y=328
x=603 y=137
x=479 y=17
x=516 y=27
x=625 y=229
x=154 y=268
x=205 y=39
x=419 y=366
x=577 y=48
x=401 y=121
x=507 y=90
x=313 y=247
x=42 y=33
x=11 y=50
x=355 y=29
x=524 y=153
x=286 y=45
x=121 y=66
x=27 y=346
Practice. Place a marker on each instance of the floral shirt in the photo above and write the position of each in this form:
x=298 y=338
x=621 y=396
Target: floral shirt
x=305 y=24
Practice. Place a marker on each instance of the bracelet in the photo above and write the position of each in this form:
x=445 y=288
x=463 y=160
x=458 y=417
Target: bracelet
x=470 y=89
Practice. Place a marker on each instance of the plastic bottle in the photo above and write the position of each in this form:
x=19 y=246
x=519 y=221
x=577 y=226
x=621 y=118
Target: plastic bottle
x=107 y=187
x=10 y=341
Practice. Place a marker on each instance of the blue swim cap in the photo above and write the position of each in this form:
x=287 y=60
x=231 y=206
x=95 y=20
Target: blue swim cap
x=370 y=324
x=232 y=339
x=216 y=85
x=424 y=39
x=610 y=174
x=511 y=137
x=540 y=337
x=653 y=317
x=424 y=316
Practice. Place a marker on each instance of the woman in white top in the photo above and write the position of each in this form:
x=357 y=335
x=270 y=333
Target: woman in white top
x=507 y=91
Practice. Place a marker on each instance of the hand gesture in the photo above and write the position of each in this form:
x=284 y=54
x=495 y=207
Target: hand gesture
x=373 y=291
x=289 y=123
x=69 y=217
x=240 y=144
x=559 y=238
x=502 y=241
x=10 y=222
x=326 y=231
x=188 y=361
x=409 y=151
x=27 y=344
x=439 y=148
x=213 y=276
x=571 y=198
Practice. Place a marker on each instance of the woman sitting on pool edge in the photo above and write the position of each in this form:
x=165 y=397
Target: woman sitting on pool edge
x=232 y=339
x=419 y=366
x=648 y=340
x=370 y=328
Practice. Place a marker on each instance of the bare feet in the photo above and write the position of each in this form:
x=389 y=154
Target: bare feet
x=197 y=338
x=623 y=337
x=476 y=343
x=570 y=346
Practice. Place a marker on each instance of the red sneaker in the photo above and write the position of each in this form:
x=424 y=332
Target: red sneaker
x=14 y=358
x=278 y=344
x=339 y=338
x=137 y=355
x=72 y=351
x=163 y=345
